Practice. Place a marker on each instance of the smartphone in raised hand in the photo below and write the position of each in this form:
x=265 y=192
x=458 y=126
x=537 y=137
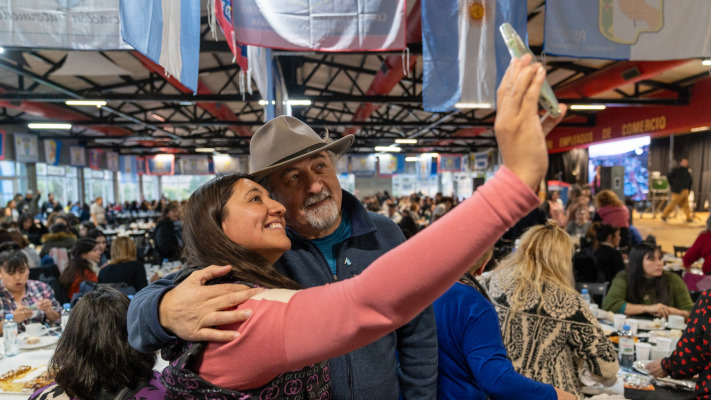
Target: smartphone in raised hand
x=518 y=49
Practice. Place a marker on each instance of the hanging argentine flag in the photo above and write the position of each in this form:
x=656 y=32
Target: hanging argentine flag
x=167 y=32
x=628 y=30
x=464 y=56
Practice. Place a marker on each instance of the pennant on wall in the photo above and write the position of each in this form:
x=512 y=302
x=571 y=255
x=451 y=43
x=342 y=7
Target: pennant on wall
x=335 y=25
x=160 y=164
x=167 y=32
x=390 y=164
x=463 y=55
x=77 y=156
x=194 y=165
x=628 y=30
x=52 y=149
x=26 y=148
x=363 y=165
x=2 y=145
x=450 y=162
x=112 y=161
x=95 y=158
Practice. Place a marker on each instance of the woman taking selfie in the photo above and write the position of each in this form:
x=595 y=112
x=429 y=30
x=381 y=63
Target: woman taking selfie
x=232 y=220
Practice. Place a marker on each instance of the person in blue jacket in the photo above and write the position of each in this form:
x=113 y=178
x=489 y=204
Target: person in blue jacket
x=333 y=238
x=473 y=363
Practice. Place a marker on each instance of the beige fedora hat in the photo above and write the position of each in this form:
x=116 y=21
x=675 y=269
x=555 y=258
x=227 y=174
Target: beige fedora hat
x=285 y=140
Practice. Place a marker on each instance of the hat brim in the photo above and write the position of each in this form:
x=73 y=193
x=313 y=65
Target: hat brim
x=339 y=147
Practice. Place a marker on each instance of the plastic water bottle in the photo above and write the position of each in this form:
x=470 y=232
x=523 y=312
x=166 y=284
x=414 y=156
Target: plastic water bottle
x=9 y=333
x=66 y=310
x=166 y=266
x=626 y=344
x=585 y=295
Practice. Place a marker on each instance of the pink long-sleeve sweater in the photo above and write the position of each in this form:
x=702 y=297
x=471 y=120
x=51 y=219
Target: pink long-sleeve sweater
x=291 y=329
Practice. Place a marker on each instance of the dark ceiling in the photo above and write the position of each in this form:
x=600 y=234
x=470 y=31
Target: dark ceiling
x=147 y=113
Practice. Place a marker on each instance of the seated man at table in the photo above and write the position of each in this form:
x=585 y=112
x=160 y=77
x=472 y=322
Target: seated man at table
x=27 y=300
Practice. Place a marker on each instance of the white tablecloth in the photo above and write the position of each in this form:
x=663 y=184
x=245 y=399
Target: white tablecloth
x=33 y=358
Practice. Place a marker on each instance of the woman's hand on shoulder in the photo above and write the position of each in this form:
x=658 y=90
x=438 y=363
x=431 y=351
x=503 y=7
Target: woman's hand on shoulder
x=191 y=310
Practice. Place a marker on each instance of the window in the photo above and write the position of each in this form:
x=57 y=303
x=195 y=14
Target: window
x=128 y=187
x=98 y=183
x=150 y=187
x=180 y=187
x=60 y=181
x=13 y=179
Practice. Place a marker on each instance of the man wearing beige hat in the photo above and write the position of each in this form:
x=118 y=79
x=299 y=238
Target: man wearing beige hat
x=332 y=238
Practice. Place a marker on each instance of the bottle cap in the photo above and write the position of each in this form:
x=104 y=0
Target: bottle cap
x=66 y=305
x=8 y=316
x=584 y=291
x=626 y=327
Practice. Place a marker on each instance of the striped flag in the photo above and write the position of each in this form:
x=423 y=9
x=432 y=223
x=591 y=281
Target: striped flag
x=464 y=56
x=167 y=32
x=334 y=25
x=628 y=30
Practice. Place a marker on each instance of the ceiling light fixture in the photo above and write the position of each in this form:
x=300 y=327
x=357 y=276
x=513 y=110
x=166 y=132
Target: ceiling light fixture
x=472 y=105
x=52 y=125
x=706 y=62
x=588 y=107
x=204 y=150
x=264 y=102
x=299 y=102
x=389 y=149
x=164 y=157
x=412 y=159
x=2 y=49
x=97 y=103
x=406 y=141
x=701 y=128
x=158 y=117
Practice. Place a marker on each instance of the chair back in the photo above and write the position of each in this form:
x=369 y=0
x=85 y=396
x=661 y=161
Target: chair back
x=48 y=270
x=679 y=251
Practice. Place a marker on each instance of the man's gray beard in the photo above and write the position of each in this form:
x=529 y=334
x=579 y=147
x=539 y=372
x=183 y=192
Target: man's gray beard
x=322 y=217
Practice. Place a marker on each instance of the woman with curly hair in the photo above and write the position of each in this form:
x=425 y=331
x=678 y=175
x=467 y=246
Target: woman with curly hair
x=548 y=330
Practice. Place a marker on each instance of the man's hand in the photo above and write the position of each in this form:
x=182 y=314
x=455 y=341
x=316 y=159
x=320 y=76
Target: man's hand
x=655 y=369
x=518 y=128
x=191 y=309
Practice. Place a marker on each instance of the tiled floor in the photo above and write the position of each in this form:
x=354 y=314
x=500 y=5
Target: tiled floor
x=674 y=232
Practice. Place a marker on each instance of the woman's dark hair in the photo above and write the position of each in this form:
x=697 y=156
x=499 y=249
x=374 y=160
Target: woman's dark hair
x=12 y=259
x=93 y=354
x=206 y=242
x=24 y=217
x=53 y=217
x=77 y=265
x=604 y=231
x=636 y=278
x=172 y=205
x=58 y=227
x=19 y=239
x=88 y=225
x=94 y=233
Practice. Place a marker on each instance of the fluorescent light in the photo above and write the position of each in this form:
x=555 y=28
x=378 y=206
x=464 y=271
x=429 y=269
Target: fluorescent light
x=164 y=157
x=704 y=62
x=472 y=105
x=406 y=141
x=204 y=150
x=390 y=149
x=701 y=128
x=97 y=103
x=618 y=147
x=158 y=117
x=412 y=159
x=49 y=126
x=588 y=107
x=264 y=102
x=299 y=102
x=2 y=50
x=185 y=103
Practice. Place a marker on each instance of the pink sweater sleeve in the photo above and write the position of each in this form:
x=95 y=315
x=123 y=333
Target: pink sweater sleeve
x=289 y=330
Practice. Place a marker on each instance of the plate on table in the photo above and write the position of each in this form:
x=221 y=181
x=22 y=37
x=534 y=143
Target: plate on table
x=641 y=366
x=44 y=341
x=646 y=325
x=23 y=378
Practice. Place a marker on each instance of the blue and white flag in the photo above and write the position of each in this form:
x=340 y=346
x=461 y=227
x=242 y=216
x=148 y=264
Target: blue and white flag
x=464 y=56
x=333 y=25
x=628 y=30
x=167 y=32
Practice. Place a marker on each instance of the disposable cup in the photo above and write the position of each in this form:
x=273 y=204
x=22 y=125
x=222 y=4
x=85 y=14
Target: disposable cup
x=593 y=309
x=643 y=350
x=619 y=320
x=657 y=353
x=676 y=321
x=664 y=343
x=633 y=323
